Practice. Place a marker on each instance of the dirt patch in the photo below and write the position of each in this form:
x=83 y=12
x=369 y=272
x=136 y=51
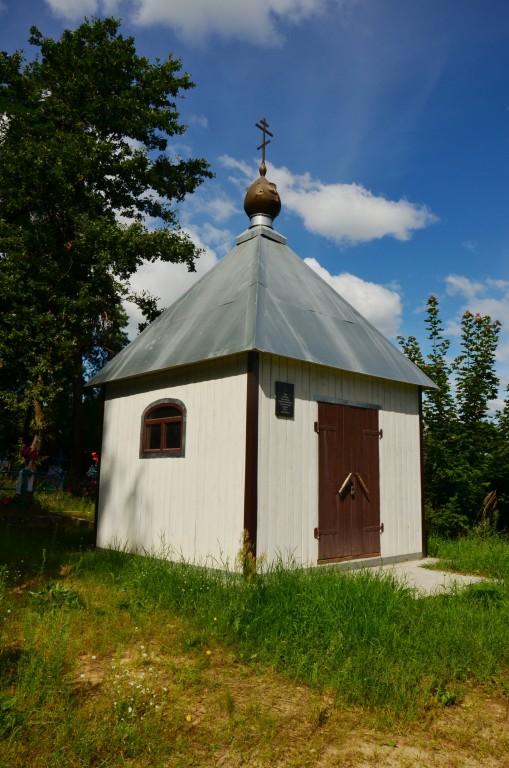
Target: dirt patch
x=231 y=713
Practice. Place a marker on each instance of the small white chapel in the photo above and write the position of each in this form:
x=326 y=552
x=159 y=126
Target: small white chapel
x=262 y=404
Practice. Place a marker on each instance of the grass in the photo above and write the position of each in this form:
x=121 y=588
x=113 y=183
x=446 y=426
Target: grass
x=111 y=659
x=44 y=503
x=484 y=556
x=363 y=636
x=66 y=503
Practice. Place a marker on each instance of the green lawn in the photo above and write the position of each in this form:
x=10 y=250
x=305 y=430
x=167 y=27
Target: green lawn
x=101 y=649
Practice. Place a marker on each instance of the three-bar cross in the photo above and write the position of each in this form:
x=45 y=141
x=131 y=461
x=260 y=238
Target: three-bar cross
x=263 y=126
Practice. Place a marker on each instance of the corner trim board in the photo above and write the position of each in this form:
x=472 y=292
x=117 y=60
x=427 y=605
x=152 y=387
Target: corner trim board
x=251 y=469
x=101 y=433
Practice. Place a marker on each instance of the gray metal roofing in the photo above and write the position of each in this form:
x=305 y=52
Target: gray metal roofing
x=262 y=296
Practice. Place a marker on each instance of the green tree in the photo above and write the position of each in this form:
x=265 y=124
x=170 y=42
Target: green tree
x=499 y=469
x=465 y=451
x=476 y=379
x=84 y=160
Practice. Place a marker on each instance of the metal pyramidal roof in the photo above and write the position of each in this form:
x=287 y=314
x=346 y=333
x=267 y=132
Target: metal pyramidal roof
x=262 y=296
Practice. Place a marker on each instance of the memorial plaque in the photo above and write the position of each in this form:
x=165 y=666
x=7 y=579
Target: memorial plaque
x=285 y=399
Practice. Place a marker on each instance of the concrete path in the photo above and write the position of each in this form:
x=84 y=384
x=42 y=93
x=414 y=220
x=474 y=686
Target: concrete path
x=428 y=582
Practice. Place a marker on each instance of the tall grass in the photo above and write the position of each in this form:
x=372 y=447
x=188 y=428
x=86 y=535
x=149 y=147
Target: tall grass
x=360 y=635
x=66 y=503
x=476 y=554
x=57 y=502
x=26 y=551
x=363 y=635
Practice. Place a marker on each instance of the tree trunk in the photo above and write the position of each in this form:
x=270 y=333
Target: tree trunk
x=38 y=438
x=76 y=468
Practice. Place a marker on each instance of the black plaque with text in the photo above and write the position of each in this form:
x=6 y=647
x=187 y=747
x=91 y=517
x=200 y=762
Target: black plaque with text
x=285 y=399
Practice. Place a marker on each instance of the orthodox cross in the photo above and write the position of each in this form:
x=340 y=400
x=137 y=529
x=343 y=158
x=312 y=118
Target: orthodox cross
x=264 y=127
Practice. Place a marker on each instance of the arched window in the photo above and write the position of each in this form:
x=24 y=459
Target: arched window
x=163 y=429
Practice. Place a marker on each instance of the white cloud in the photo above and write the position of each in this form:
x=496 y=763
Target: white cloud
x=210 y=202
x=74 y=9
x=259 y=22
x=245 y=169
x=458 y=285
x=200 y=120
x=167 y=281
x=345 y=213
x=256 y=21
x=471 y=246
x=220 y=239
x=349 y=213
x=378 y=304
x=489 y=297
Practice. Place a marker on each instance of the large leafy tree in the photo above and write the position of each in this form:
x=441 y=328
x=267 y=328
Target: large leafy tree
x=466 y=449
x=84 y=163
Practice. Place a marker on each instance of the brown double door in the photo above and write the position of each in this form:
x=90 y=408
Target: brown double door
x=349 y=490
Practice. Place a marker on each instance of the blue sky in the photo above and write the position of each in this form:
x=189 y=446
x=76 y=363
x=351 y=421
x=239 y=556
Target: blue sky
x=390 y=148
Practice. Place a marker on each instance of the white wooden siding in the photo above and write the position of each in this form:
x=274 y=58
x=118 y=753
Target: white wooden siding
x=193 y=506
x=288 y=459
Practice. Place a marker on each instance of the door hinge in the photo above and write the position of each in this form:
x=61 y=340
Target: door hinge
x=375 y=432
x=372 y=528
x=323 y=532
x=322 y=428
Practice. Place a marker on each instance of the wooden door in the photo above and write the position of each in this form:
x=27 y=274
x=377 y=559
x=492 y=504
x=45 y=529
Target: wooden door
x=349 y=490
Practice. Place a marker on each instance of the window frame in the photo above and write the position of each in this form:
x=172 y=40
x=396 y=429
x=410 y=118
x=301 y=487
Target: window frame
x=159 y=453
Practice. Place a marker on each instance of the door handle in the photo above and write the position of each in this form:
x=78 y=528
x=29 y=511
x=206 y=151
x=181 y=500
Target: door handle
x=362 y=485
x=347 y=482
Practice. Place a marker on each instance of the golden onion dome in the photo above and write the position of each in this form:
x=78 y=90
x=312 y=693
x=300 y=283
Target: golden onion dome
x=262 y=197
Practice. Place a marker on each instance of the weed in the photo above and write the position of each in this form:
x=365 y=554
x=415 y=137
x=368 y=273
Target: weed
x=54 y=595
x=229 y=703
x=246 y=559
